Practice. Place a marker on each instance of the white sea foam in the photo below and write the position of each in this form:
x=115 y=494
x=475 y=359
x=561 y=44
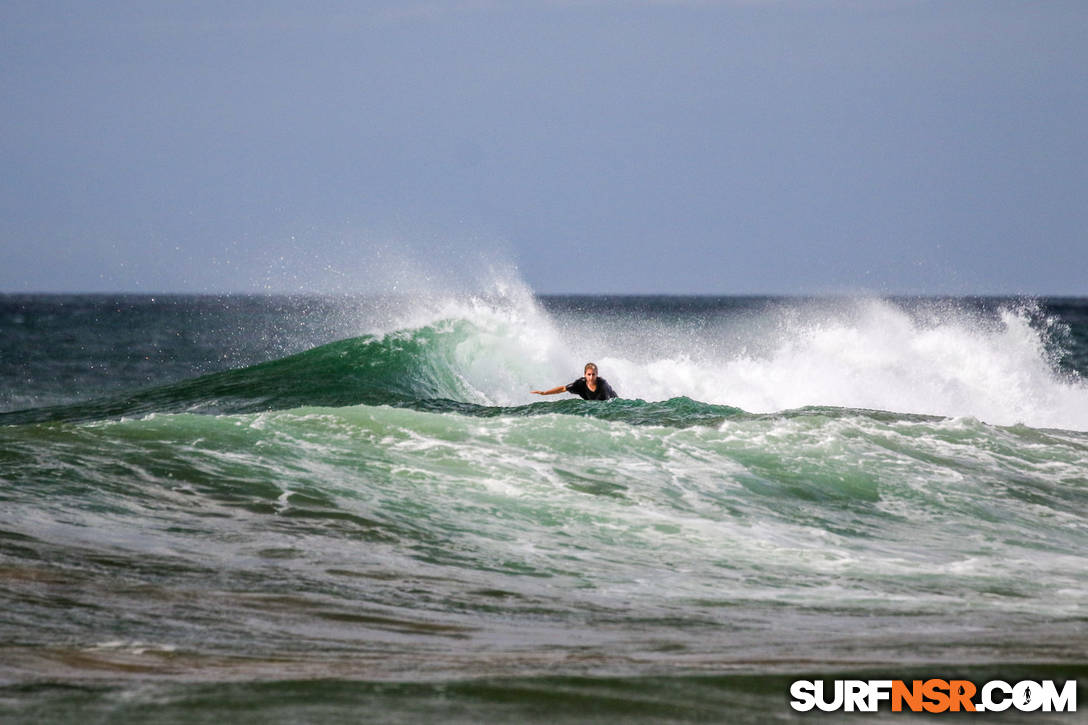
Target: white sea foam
x=514 y=344
x=855 y=353
x=874 y=354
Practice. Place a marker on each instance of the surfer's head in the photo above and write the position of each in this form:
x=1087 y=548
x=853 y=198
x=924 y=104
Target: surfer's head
x=590 y=371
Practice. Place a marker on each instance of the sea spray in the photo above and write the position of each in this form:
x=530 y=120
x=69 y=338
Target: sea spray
x=998 y=365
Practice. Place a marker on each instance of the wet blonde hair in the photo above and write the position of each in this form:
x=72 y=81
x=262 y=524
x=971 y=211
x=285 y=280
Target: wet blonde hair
x=587 y=366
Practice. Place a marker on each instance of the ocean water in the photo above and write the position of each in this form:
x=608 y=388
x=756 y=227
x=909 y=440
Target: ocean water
x=352 y=509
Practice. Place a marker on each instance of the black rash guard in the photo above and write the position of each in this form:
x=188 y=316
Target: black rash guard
x=604 y=391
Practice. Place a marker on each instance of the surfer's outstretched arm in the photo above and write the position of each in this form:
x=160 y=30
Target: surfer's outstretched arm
x=553 y=391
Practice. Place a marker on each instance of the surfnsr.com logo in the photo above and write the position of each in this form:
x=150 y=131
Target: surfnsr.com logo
x=933 y=696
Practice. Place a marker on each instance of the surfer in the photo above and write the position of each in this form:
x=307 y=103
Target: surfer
x=590 y=387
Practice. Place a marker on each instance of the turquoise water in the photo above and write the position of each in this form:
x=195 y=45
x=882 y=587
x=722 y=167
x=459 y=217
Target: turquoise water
x=306 y=509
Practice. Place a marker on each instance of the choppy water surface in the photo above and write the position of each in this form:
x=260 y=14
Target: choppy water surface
x=305 y=509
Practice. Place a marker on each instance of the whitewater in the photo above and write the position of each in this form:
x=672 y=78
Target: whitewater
x=293 y=508
x=925 y=356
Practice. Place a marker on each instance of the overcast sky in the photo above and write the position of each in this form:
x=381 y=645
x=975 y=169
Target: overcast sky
x=717 y=147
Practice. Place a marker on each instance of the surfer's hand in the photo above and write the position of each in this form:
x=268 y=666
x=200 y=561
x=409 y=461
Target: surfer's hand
x=553 y=391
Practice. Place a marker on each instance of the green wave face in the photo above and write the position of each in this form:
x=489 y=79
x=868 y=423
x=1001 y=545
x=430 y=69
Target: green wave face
x=402 y=367
x=484 y=359
x=420 y=368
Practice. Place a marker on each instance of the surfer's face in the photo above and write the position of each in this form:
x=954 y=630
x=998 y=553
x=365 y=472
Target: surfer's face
x=591 y=375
